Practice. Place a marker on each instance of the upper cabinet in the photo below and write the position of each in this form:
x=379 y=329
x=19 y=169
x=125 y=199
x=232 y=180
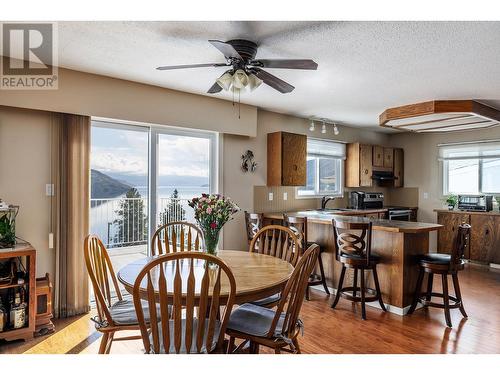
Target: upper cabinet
x=363 y=160
x=286 y=159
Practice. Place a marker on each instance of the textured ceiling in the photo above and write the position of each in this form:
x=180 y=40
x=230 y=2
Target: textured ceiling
x=364 y=67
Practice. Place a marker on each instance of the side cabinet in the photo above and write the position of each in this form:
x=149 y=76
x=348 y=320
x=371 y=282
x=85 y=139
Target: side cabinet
x=446 y=235
x=485 y=238
x=286 y=159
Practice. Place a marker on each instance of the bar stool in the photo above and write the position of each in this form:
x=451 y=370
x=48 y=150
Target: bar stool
x=354 y=251
x=299 y=226
x=253 y=223
x=444 y=265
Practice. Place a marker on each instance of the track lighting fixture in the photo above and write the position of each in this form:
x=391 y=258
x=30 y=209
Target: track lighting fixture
x=311 y=128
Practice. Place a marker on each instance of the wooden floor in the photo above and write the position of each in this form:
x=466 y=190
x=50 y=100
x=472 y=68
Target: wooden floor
x=341 y=330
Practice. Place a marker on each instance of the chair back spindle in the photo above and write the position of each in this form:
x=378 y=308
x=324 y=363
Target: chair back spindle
x=277 y=241
x=253 y=223
x=176 y=236
x=299 y=226
x=460 y=243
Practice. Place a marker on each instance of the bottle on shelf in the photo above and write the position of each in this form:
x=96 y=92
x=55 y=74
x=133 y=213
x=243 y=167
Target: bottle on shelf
x=3 y=316
x=18 y=311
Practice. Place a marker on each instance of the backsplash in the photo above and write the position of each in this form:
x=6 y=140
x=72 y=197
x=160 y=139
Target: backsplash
x=398 y=197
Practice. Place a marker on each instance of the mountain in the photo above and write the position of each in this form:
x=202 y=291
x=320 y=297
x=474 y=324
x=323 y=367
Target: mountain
x=166 y=180
x=104 y=186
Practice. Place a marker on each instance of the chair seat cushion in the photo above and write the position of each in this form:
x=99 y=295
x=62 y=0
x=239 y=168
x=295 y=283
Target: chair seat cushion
x=268 y=300
x=123 y=312
x=254 y=320
x=193 y=347
x=373 y=257
x=437 y=258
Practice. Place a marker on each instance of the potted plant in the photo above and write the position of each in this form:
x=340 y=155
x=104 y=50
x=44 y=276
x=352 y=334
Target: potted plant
x=211 y=212
x=451 y=200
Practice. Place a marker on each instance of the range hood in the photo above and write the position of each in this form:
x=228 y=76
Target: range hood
x=382 y=176
x=440 y=116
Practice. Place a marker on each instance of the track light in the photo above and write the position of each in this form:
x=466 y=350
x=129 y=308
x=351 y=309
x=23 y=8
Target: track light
x=311 y=128
x=335 y=129
x=323 y=128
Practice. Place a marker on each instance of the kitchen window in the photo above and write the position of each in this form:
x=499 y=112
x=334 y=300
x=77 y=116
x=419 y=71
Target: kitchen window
x=325 y=163
x=471 y=168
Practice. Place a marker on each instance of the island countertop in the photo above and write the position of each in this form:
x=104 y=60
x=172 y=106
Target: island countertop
x=317 y=217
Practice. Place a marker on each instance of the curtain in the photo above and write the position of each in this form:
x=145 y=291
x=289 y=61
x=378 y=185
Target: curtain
x=70 y=223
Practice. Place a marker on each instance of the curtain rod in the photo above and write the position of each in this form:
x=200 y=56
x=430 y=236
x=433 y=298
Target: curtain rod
x=468 y=142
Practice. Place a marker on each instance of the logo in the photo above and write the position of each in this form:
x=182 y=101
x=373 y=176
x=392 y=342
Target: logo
x=29 y=56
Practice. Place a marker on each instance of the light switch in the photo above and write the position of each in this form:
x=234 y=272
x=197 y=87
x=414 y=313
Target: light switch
x=285 y=196
x=426 y=195
x=270 y=196
x=49 y=190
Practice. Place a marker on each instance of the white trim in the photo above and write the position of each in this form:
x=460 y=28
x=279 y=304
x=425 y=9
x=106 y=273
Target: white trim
x=495 y=266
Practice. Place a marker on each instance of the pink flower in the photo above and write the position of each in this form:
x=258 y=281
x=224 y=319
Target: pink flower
x=209 y=210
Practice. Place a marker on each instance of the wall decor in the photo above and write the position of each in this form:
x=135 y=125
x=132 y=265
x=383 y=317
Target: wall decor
x=248 y=164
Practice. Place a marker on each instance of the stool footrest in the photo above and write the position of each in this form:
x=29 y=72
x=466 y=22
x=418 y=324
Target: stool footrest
x=370 y=294
x=425 y=303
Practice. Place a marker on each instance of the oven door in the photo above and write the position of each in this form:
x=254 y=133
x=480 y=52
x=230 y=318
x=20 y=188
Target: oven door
x=402 y=215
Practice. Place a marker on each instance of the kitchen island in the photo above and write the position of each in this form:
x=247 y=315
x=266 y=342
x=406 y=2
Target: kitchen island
x=398 y=243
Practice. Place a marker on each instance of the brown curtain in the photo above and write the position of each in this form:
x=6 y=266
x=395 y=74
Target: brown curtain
x=70 y=173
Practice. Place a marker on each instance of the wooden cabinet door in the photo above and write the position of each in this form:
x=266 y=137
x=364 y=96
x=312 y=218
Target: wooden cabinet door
x=294 y=159
x=388 y=157
x=485 y=238
x=399 y=167
x=446 y=235
x=378 y=156
x=365 y=165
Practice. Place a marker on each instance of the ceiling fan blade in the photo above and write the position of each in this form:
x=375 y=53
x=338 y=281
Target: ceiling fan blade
x=273 y=81
x=172 y=67
x=214 y=89
x=227 y=50
x=286 y=64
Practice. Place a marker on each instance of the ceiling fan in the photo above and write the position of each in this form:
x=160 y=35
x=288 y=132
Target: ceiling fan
x=246 y=71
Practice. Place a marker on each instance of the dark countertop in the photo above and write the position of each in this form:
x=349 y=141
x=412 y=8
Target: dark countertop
x=318 y=217
x=494 y=213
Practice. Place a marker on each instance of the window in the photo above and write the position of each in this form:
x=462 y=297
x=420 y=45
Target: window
x=324 y=169
x=471 y=168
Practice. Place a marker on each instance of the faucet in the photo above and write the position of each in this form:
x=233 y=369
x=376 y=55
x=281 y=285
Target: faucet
x=325 y=200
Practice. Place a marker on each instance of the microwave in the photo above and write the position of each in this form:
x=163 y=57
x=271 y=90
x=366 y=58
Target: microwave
x=475 y=202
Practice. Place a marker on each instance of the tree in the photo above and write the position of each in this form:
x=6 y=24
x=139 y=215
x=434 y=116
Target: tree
x=174 y=210
x=132 y=221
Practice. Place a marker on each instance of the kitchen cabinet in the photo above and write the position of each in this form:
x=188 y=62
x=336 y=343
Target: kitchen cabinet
x=378 y=156
x=446 y=235
x=358 y=166
x=388 y=157
x=485 y=238
x=398 y=167
x=286 y=159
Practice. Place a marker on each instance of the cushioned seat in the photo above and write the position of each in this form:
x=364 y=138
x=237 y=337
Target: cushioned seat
x=254 y=320
x=268 y=300
x=373 y=257
x=194 y=347
x=437 y=258
x=123 y=312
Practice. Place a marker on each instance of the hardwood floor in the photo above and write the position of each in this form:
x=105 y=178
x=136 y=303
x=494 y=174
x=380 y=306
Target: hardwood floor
x=341 y=330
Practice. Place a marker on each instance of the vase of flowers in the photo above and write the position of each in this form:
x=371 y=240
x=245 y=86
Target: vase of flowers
x=211 y=212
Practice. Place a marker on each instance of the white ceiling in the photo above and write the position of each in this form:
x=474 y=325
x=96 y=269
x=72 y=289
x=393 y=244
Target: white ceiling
x=364 y=67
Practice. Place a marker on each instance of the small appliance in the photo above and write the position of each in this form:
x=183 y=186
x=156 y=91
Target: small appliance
x=475 y=202
x=360 y=200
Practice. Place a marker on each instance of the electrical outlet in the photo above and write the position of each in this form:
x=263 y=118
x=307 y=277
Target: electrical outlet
x=49 y=190
x=51 y=240
x=426 y=195
x=271 y=196
x=285 y=196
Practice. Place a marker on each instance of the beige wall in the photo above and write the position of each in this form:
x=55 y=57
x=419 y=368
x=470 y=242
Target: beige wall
x=422 y=168
x=24 y=171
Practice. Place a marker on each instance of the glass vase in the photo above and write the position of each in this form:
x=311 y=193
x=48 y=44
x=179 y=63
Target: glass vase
x=211 y=240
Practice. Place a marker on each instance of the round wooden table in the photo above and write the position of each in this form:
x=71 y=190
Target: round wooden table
x=257 y=276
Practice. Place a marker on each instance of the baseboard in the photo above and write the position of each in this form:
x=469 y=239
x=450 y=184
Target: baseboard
x=390 y=308
x=495 y=266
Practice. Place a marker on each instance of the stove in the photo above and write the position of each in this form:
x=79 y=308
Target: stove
x=399 y=213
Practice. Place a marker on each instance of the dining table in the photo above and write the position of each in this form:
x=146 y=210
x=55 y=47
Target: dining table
x=257 y=275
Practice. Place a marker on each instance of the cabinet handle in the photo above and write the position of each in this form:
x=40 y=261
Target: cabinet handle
x=295 y=167
x=366 y=171
x=487 y=232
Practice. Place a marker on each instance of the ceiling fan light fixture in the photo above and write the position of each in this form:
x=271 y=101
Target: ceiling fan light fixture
x=225 y=80
x=253 y=82
x=240 y=79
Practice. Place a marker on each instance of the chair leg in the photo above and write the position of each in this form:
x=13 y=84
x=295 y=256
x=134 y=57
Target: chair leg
x=363 y=307
x=297 y=346
x=355 y=284
x=446 y=299
x=322 y=274
x=230 y=346
x=110 y=342
x=277 y=351
x=458 y=294
x=418 y=288
x=430 y=281
x=104 y=343
x=307 y=292
x=377 y=288
x=339 y=287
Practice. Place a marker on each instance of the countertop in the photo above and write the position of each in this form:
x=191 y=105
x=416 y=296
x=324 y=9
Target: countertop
x=494 y=213
x=378 y=224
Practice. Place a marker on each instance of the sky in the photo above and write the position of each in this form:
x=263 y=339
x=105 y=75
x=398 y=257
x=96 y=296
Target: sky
x=126 y=152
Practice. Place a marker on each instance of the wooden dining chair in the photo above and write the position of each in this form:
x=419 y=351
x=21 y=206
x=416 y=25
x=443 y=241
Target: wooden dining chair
x=353 y=250
x=190 y=318
x=280 y=242
x=276 y=329
x=176 y=236
x=298 y=225
x=444 y=265
x=253 y=223
x=114 y=313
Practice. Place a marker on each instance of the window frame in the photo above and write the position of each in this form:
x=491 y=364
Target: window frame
x=446 y=177
x=339 y=172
